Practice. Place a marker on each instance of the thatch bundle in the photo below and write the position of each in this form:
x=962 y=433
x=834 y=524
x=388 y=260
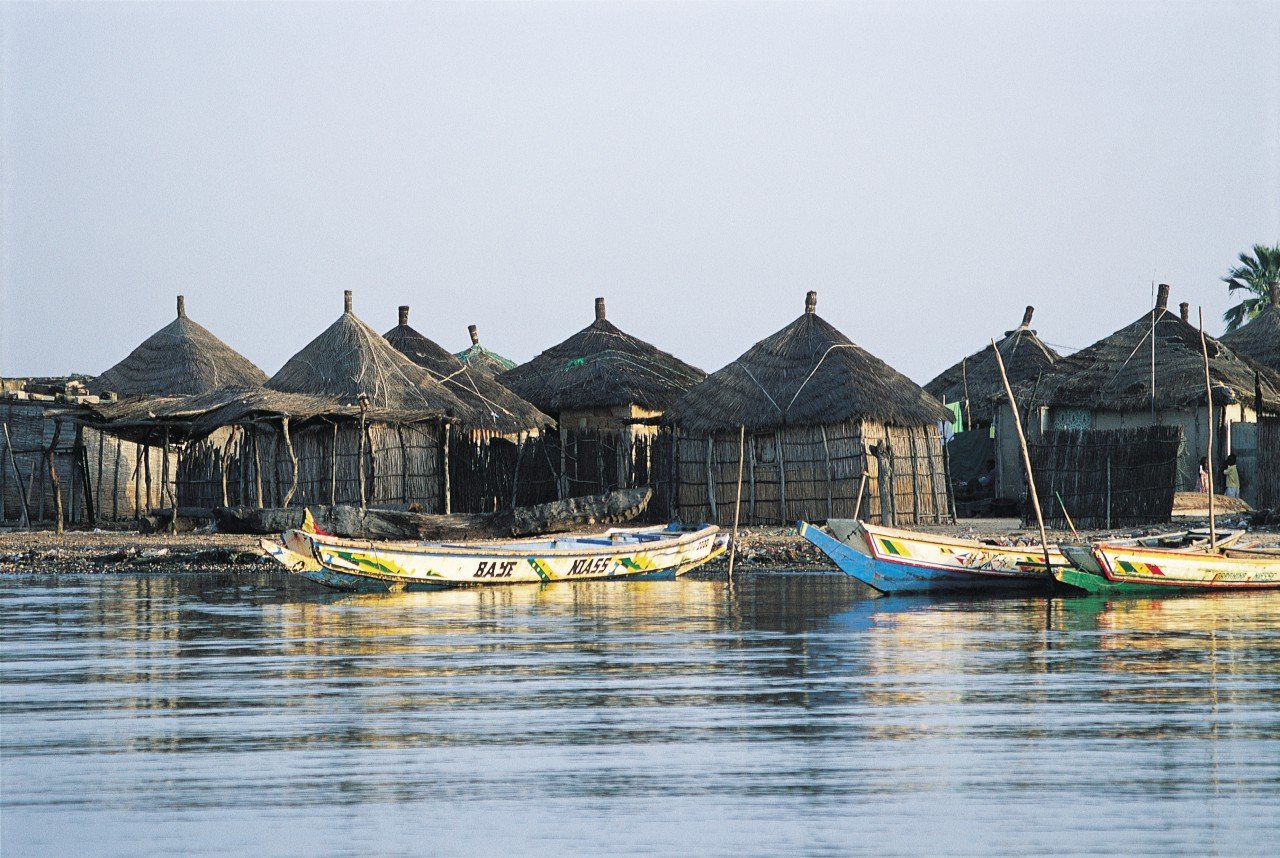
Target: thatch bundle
x=808 y=373
x=1260 y=338
x=506 y=412
x=975 y=380
x=181 y=358
x=349 y=363
x=1117 y=372
x=480 y=359
x=602 y=367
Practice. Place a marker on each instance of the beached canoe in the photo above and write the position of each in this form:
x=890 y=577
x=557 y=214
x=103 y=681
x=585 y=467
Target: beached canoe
x=1141 y=567
x=904 y=561
x=634 y=553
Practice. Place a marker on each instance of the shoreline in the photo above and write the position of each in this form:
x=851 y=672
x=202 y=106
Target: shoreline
x=759 y=548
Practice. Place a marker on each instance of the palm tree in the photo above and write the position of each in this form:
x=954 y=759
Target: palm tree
x=1257 y=275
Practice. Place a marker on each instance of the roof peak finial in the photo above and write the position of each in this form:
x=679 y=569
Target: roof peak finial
x=1162 y=296
x=1026 y=316
x=811 y=302
x=404 y=314
x=346 y=301
x=599 y=309
x=1185 y=311
x=475 y=335
x=182 y=307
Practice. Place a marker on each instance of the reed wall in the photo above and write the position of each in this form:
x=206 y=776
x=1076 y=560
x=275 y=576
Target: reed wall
x=814 y=473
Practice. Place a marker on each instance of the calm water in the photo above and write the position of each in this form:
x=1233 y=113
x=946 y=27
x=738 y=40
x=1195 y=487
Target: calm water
x=195 y=715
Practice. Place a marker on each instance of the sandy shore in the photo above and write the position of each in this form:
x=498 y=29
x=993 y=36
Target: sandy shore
x=81 y=551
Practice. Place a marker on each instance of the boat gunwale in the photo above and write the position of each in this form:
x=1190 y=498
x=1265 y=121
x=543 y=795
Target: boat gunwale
x=936 y=539
x=505 y=549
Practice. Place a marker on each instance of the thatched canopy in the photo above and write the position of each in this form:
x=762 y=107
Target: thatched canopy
x=806 y=374
x=601 y=367
x=480 y=359
x=349 y=361
x=181 y=358
x=977 y=377
x=507 y=412
x=1260 y=338
x=1115 y=373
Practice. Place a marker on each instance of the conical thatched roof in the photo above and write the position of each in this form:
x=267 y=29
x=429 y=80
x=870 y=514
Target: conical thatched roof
x=507 y=412
x=1115 y=373
x=806 y=374
x=481 y=359
x=977 y=377
x=181 y=358
x=601 y=367
x=350 y=360
x=1260 y=338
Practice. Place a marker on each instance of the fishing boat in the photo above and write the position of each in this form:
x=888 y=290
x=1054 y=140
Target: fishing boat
x=648 y=553
x=904 y=561
x=1171 y=563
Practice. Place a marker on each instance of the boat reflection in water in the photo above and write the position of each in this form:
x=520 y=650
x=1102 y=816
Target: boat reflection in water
x=776 y=714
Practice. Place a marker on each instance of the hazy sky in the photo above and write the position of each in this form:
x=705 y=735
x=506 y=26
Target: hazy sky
x=929 y=169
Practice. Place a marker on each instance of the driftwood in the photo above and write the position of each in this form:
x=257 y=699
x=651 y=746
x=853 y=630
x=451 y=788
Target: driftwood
x=350 y=521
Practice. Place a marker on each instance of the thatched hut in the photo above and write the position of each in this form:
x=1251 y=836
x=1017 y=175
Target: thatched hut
x=180 y=359
x=348 y=419
x=502 y=412
x=607 y=391
x=1149 y=373
x=972 y=389
x=481 y=359
x=1260 y=338
x=974 y=381
x=807 y=412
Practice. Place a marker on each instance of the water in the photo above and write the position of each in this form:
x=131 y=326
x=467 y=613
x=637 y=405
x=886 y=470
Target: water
x=193 y=715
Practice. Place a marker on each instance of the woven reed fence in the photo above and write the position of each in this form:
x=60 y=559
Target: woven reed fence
x=101 y=478
x=814 y=473
x=1107 y=477
x=1269 y=462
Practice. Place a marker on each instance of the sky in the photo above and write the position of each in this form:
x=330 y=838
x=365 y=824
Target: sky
x=928 y=168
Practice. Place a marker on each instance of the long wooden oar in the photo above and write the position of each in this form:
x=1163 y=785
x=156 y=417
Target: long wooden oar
x=1071 y=524
x=1208 y=404
x=1026 y=458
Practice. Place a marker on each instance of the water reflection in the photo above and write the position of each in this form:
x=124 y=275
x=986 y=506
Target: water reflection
x=783 y=713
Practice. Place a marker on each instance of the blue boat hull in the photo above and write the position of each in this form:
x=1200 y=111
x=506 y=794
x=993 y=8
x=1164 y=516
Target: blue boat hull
x=904 y=577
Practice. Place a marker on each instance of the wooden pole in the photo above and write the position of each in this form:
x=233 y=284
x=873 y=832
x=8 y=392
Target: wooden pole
x=737 y=504
x=1026 y=456
x=54 y=481
x=17 y=475
x=1208 y=404
x=1071 y=524
x=862 y=486
x=293 y=460
x=333 y=467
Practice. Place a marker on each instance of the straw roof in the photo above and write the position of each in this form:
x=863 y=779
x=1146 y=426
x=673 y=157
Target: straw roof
x=507 y=412
x=349 y=361
x=808 y=373
x=180 y=358
x=977 y=377
x=1115 y=373
x=1260 y=338
x=600 y=367
x=481 y=359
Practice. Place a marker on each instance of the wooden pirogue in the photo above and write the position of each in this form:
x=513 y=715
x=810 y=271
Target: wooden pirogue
x=661 y=552
x=904 y=561
x=1147 y=566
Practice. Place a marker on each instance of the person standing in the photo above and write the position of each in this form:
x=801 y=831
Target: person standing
x=1202 y=481
x=1231 y=473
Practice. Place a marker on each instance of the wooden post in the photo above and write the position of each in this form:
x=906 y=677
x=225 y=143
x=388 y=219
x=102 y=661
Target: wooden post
x=137 y=479
x=293 y=461
x=964 y=374
x=333 y=467
x=17 y=476
x=165 y=490
x=862 y=485
x=146 y=473
x=826 y=450
x=711 y=484
x=90 y=508
x=1026 y=457
x=737 y=504
x=782 y=475
x=448 y=484
x=1208 y=404
x=257 y=462
x=115 y=479
x=54 y=481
